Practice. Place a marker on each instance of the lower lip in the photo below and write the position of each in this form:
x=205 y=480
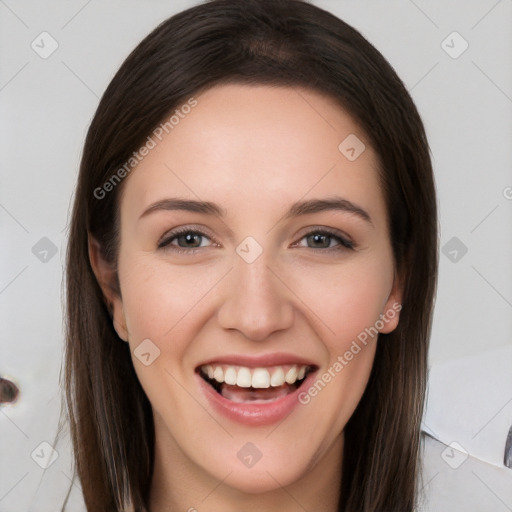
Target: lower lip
x=254 y=414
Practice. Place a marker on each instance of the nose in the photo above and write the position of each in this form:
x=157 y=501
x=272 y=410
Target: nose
x=256 y=302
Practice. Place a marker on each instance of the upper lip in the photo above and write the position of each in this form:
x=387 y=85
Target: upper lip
x=264 y=360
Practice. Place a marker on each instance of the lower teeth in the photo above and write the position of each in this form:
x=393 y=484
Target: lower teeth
x=238 y=394
x=253 y=395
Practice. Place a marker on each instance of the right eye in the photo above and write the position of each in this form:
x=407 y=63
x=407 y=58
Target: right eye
x=184 y=240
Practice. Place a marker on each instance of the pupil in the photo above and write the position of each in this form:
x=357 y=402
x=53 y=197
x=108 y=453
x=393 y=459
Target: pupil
x=318 y=239
x=189 y=238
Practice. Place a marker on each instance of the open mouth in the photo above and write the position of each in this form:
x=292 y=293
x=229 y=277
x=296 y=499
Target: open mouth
x=255 y=385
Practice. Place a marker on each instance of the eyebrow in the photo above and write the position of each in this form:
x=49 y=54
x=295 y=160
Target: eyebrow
x=321 y=205
x=297 y=209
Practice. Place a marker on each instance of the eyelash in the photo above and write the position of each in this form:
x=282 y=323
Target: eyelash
x=344 y=243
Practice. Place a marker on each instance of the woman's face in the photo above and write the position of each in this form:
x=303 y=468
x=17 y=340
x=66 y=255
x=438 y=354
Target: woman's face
x=266 y=290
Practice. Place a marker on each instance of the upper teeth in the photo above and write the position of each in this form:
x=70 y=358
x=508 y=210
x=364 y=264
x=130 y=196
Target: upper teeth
x=255 y=377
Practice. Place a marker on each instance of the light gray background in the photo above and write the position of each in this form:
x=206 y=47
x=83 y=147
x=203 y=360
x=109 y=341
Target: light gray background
x=46 y=105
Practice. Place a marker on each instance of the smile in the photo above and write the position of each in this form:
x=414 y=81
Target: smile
x=254 y=395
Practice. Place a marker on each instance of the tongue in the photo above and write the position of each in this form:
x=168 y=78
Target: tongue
x=254 y=395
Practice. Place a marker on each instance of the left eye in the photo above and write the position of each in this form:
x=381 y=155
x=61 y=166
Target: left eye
x=324 y=239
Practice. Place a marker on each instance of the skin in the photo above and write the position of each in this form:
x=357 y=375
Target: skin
x=254 y=150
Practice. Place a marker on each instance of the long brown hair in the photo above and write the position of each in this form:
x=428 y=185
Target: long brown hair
x=276 y=42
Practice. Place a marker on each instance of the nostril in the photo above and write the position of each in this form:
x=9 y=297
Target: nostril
x=8 y=391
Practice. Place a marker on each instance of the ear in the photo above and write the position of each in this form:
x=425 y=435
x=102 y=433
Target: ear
x=106 y=275
x=390 y=315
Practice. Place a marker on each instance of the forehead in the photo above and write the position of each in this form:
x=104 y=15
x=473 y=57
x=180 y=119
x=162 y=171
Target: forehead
x=248 y=147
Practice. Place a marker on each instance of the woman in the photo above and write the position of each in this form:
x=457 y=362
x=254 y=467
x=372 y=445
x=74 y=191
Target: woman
x=251 y=271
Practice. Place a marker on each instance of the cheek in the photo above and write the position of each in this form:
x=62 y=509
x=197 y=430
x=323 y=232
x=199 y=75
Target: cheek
x=164 y=304
x=159 y=298
x=338 y=389
x=347 y=299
